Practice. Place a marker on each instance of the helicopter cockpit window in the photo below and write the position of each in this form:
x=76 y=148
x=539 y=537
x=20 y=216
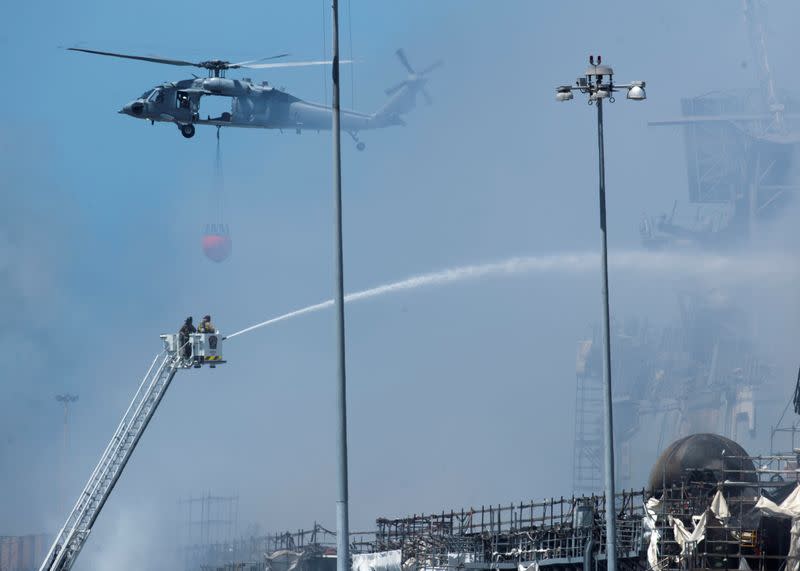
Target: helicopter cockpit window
x=146 y=94
x=156 y=96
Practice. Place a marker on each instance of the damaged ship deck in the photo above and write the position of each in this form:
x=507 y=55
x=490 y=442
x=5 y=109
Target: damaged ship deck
x=726 y=510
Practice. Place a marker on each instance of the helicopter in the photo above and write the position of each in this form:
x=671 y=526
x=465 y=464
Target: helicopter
x=260 y=105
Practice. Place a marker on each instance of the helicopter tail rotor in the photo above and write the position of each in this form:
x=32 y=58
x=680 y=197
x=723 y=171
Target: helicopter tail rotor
x=415 y=80
x=401 y=55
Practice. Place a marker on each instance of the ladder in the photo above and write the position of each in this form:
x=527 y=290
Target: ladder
x=194 y=351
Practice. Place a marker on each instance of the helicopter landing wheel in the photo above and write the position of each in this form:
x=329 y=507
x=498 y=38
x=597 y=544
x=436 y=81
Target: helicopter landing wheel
x=359 y=145
x=187 y=130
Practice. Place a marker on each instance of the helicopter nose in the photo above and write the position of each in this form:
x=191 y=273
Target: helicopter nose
x=134 y=109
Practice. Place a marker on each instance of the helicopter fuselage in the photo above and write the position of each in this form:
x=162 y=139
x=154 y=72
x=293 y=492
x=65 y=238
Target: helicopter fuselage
x=261 y=106
x=253 y=105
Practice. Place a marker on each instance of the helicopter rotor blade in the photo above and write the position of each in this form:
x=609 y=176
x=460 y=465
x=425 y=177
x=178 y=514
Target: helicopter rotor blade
x=283 y=64
x=140 y=58
x=435 y=65
x=427 y=96
x=401 y=55
x=252 y=61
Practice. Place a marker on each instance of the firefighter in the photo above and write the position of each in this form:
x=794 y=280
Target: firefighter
x=206 y=326
x=183 y=337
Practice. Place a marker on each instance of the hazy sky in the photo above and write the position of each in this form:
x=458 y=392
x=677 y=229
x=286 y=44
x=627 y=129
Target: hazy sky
x=458 y=396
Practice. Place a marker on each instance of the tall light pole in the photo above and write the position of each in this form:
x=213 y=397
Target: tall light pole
x=66 y=400
x=598 y=84
x=342 y=519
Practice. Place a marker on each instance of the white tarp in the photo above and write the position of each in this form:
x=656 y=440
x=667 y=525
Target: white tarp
x=649 y=523
x=380 y=561
x=284 y=559
x=790 y=507
x=720 y=508
x=686 y=539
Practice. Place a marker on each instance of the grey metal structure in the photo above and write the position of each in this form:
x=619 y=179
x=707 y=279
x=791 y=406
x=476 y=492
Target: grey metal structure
x=704 y=372
x=200 y=349
x=741 y=146
x=342 y=511
x=598 y=84
x=739 y=168
x=260 y=105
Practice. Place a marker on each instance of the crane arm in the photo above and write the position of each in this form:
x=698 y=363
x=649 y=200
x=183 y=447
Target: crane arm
x=198 y=350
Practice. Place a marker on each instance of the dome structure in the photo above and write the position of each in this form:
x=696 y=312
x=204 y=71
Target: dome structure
x=704 y=458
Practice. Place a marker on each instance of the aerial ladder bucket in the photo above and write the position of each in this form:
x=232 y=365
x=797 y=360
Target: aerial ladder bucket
x=179 y=352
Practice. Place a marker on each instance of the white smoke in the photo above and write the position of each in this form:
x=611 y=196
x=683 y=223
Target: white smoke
x=138 y=538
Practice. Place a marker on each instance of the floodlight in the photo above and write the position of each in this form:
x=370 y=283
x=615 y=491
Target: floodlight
x=564 y=93
x=636 y=92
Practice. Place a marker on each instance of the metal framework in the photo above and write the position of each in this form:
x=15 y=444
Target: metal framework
x=568 y=533
x=553 y=531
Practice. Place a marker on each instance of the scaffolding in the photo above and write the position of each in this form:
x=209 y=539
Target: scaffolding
x=208 y=521
x=587 y=452
x=553 y=531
